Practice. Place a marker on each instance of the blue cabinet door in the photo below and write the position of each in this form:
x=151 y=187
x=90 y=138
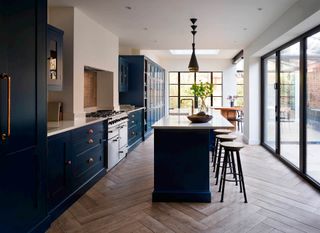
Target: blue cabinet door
x=23 y=144
x=123 y=75
x=59 y=167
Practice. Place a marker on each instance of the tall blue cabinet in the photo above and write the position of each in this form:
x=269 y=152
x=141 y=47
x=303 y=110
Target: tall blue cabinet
x=146 y=88
x=23 y=120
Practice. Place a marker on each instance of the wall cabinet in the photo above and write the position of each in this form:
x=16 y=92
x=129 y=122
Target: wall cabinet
x=146 y=88
x=23 y=127
x=123 y=74
x=74 y=158
x=55 y=58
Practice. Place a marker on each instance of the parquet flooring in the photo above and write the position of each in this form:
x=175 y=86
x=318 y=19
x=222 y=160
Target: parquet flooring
x=279 y=201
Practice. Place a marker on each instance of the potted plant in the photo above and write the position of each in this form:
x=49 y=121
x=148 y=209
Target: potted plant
x=202 y=90
x=232 y=99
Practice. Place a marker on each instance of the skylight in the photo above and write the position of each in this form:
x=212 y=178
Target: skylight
x=198 y=51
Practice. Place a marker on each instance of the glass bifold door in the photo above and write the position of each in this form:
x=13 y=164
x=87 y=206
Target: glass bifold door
x=291 y=104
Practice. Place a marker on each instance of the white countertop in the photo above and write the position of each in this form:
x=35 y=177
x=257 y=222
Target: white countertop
x=177 y=121
x=64 y=126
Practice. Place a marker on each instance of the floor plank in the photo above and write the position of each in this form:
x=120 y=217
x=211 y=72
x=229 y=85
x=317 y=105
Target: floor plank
x=278 y=201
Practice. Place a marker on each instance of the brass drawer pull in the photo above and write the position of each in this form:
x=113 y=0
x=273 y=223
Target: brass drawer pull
x=90 y=161
x=90 y=131
x=68 y=162
x=4 y=136
x=90 y=141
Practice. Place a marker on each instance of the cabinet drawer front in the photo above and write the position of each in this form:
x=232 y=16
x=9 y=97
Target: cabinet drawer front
x=88 y=131
x=134 y=134
x=86 y=164
x=134 y=118
x=82 y=144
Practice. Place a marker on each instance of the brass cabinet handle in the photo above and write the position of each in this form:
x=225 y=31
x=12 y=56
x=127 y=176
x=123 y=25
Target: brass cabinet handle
x=90 y=131
x=90 y=141
x=5 y=135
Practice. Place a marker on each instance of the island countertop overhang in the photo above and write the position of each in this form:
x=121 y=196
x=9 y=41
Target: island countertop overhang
x=182 y=122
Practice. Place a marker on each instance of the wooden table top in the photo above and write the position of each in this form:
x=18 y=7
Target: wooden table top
x=228 y=108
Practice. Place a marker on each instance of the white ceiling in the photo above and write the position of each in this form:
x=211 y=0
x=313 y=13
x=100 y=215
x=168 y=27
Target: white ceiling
x=164 y=24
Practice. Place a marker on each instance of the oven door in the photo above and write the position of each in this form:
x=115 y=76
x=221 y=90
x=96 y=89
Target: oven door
x=123 y=135
x=113 y=151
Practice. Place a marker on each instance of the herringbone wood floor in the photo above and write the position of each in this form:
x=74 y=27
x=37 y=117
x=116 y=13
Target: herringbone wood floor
x=279 y=201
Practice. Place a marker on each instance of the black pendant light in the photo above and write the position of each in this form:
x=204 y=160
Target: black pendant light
x=193 y=64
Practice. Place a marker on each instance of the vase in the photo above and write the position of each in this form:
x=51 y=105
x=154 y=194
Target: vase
x=203 y=106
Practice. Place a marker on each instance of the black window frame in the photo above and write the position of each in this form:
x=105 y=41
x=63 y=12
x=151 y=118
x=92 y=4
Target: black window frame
x=302 y=171
x=195 y=78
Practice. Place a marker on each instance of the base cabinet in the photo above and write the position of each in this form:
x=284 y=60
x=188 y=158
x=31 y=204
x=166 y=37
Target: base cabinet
x=75 y=162
x=135 y=128
x=59 y=160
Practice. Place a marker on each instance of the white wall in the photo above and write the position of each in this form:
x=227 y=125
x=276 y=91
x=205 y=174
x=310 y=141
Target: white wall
x=301 y=17
x=86 y=43
x=96 y=47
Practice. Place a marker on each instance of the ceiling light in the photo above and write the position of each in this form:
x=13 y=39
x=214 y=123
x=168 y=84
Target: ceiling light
x=198 y=52
x=193 y=64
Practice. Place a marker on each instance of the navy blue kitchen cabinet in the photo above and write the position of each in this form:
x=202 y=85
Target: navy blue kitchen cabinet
x=123 y=74
x=59 y=162
x=75 y=163
x=146 y=88
x=23 y=121
x=55 y=58
x=135 y=128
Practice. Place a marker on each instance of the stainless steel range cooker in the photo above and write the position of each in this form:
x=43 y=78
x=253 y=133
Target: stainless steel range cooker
x=117 y=134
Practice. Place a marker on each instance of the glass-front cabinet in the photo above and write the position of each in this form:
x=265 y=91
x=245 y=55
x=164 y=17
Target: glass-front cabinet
x=55 y=58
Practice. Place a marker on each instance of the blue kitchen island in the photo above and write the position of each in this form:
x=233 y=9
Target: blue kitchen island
x=181 y=158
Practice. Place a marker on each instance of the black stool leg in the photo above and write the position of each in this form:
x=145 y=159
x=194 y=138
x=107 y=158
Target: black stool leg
x=241 y=177
x=223 y=171
x=214 y=154
x=234 y=167
x=223 y=178
x=218 y=164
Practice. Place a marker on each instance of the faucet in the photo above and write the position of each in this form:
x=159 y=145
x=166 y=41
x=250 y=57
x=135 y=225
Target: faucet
x=192 y=110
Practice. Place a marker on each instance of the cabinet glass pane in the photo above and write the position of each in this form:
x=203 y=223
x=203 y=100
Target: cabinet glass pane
x=187 y=78
x=53 y=59
x=173 y=78
x=289 y=103
x=270 y=102
x=203 y=77
x=313 y=106
x=174 y=90
x=185 y=90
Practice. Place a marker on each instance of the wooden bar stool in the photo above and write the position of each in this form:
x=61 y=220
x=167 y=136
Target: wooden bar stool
x=216 y=143
x=217 y=160
x=229 y=148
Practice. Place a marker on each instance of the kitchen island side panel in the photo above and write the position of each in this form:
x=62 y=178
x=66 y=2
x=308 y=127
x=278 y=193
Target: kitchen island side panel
x=181 y=165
